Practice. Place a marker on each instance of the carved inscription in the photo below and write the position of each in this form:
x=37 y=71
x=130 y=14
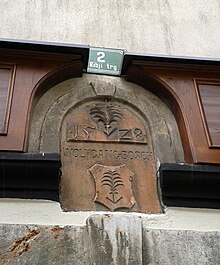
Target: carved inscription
x=87 y=153
x=104 y=124
x=107 y=159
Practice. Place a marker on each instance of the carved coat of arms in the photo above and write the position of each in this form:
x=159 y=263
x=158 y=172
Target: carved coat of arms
x=113 y=186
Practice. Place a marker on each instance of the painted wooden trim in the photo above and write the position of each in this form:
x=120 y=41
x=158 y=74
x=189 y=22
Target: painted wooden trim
x=9 y=91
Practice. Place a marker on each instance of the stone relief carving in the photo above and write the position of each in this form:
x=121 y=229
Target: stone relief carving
x=107 y=117
x=104 y=124
x=61 y=122
x=107 y=161
x=113 y=186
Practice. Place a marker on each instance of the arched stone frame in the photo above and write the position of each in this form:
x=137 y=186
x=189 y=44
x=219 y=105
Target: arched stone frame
x=51 y=109
x=52 y=106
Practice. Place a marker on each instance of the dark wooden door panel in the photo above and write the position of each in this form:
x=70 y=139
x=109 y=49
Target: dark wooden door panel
x=6 y=89
x=198 y=119
x=209 y=96
x=35 y=73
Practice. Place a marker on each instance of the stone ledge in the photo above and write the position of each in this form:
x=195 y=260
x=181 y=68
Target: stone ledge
x=106 y=240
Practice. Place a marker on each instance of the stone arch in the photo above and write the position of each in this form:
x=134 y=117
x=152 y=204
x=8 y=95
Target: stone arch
x=51 y=107
x=164 y=144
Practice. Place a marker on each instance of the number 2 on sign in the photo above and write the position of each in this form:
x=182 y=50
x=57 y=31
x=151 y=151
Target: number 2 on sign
x=100 y=57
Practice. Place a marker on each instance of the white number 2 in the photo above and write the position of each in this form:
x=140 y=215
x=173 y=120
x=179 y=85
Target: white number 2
x=100 y=56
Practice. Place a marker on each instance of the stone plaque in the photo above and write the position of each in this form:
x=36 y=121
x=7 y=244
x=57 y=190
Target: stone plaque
x=107 y=159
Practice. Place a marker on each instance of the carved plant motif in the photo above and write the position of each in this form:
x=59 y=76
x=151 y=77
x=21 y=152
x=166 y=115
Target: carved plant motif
x=113 y=186
x=113 y=180
x=107 y=117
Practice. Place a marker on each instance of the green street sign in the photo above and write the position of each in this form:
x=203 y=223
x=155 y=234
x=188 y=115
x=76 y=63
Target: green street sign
x=105 y=61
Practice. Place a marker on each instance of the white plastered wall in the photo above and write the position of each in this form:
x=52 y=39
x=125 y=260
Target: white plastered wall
x=189 y=28
x=42 y=212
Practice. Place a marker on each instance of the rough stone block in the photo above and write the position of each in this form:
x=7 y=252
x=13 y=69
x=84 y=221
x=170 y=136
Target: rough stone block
x=119 y=239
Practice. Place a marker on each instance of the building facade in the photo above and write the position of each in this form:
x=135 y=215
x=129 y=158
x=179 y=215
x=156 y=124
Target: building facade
x=114 y=167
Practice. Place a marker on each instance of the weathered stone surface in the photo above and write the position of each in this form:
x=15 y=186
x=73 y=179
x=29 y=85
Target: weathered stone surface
x=26 y=244
x=108 y=162
x=102 y=241
x=109 y=122
x=115 y=240
x=176 y=247
x=119 y=239
x=55 y=103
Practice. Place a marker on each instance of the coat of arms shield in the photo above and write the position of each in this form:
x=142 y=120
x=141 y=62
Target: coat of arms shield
x=113 y=186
